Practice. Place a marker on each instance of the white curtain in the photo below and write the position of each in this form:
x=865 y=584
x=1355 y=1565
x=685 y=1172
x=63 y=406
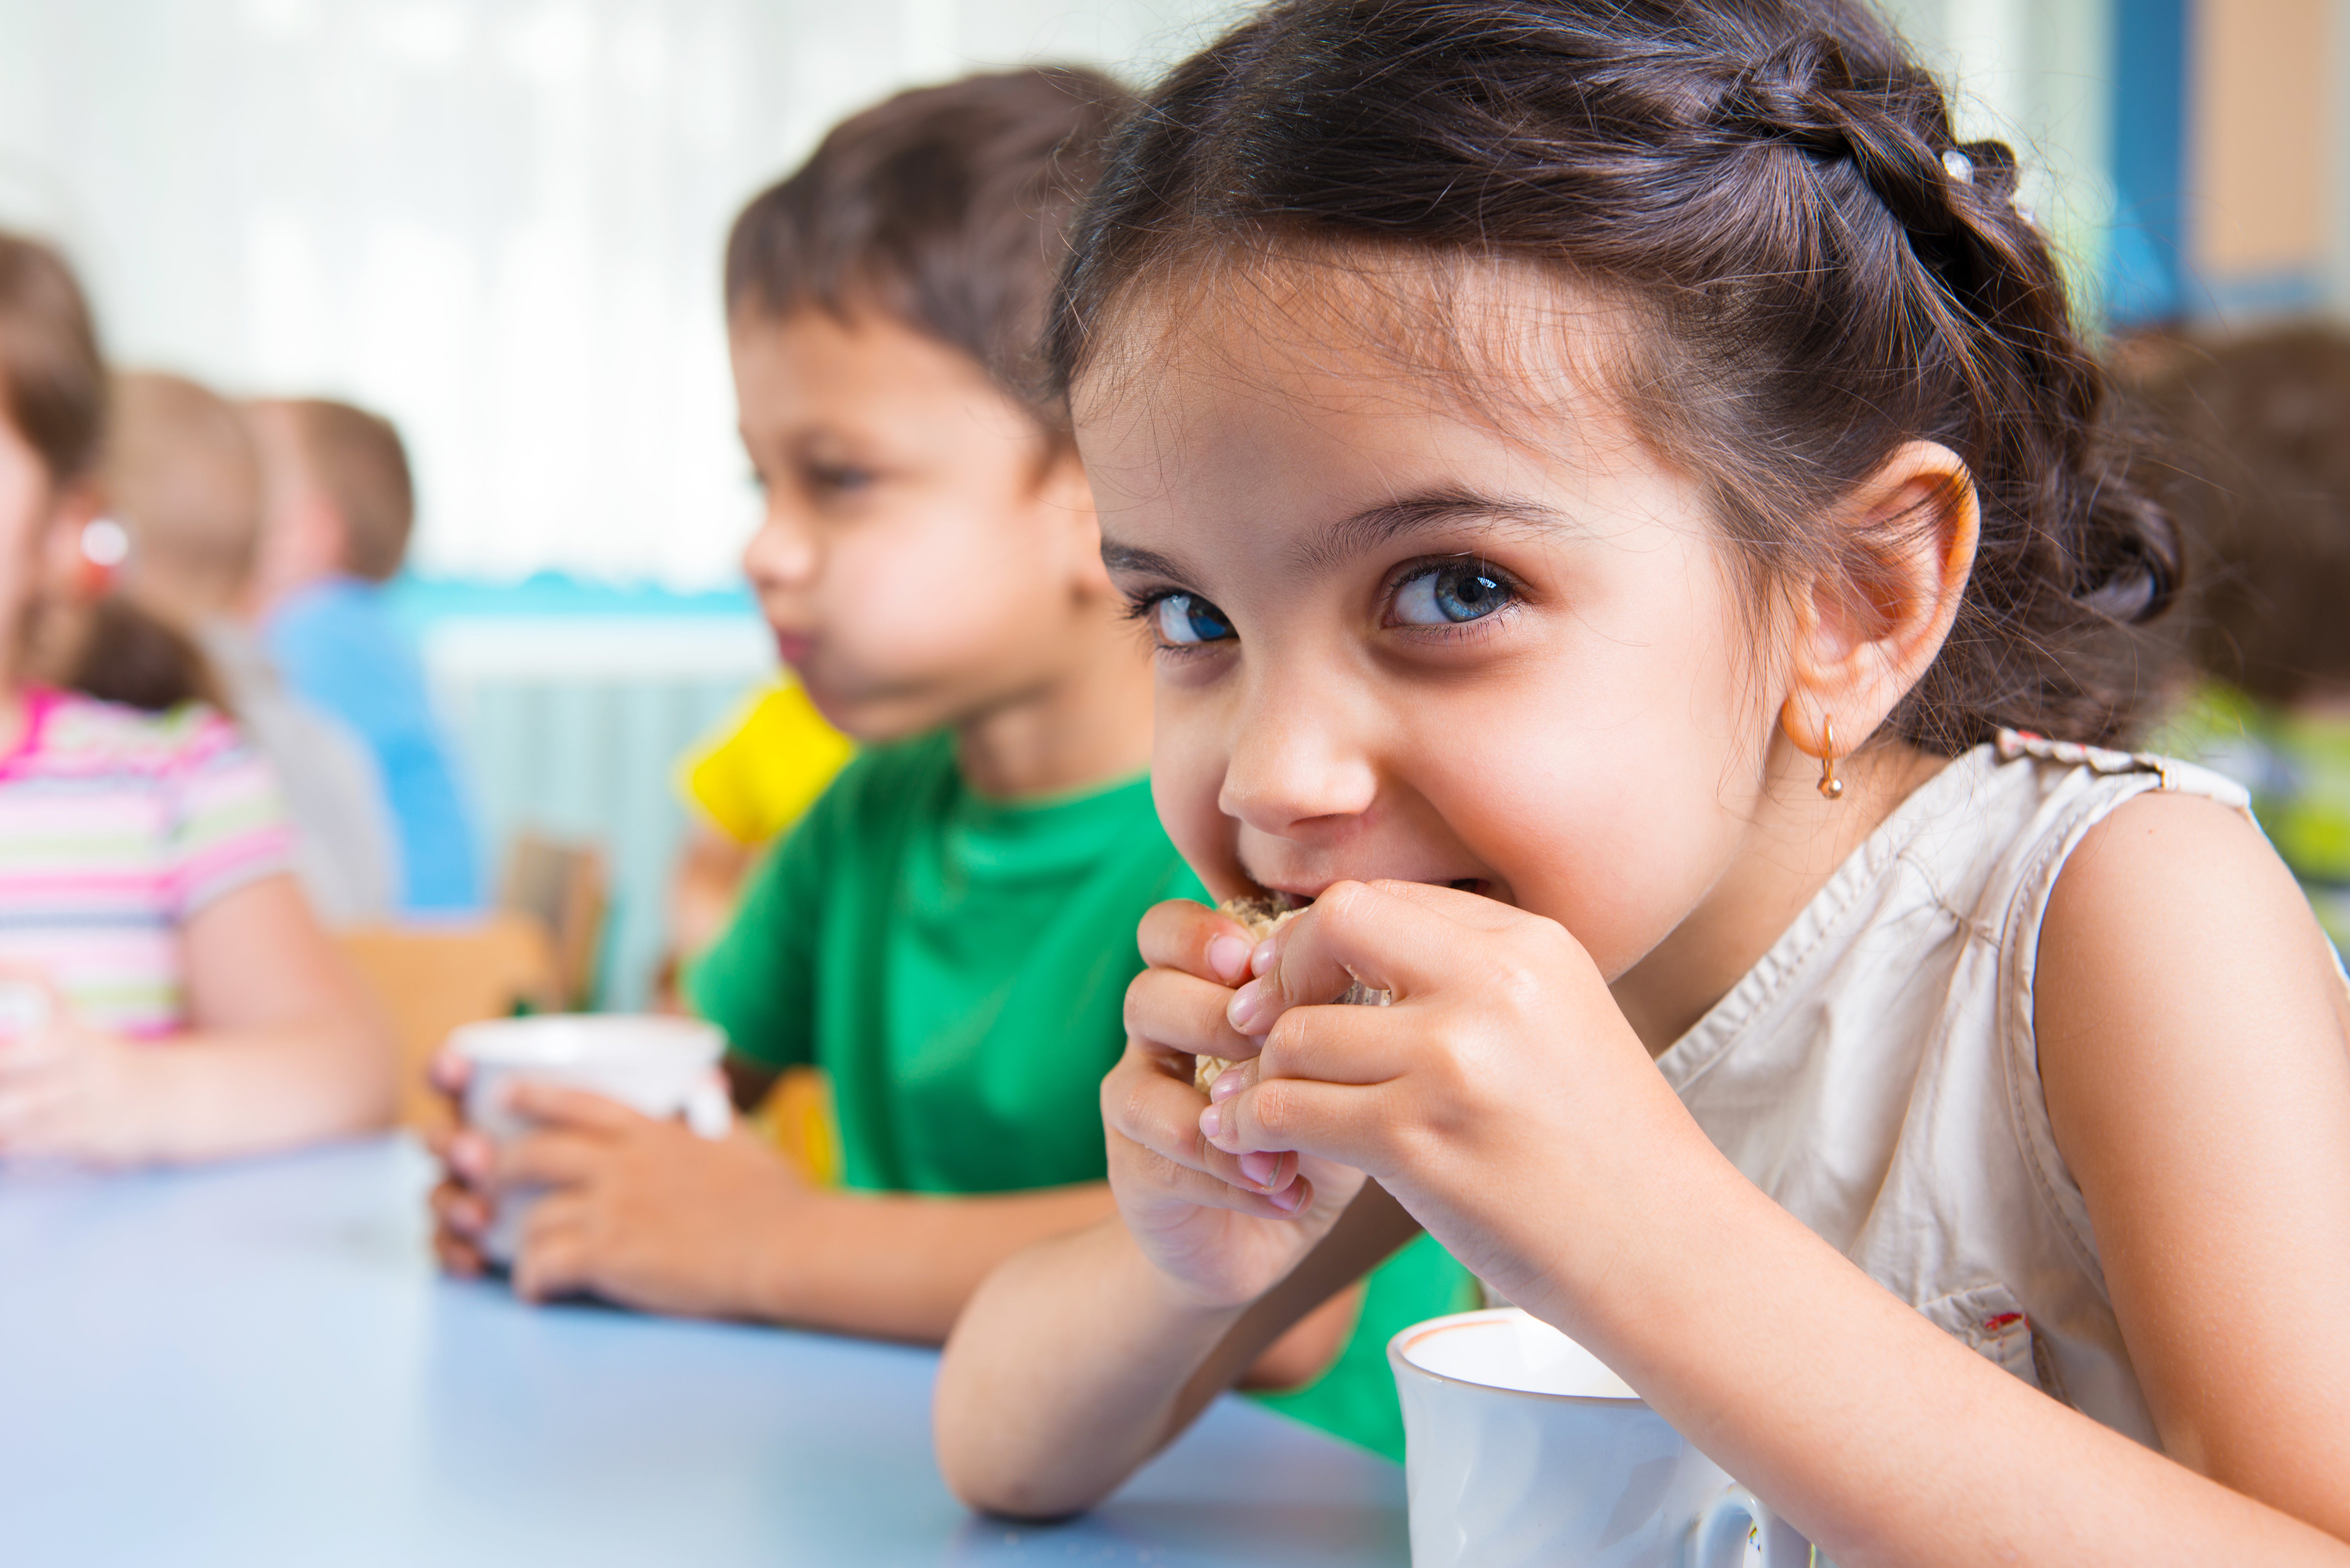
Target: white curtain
x=498 y=222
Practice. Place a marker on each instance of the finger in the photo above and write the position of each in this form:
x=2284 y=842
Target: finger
x=555 y=1159
x=1334 y=1045
x=1182 y=1184
x=460 y=1210
x=1161 y=1117
x=448 y=1072
x=29 y=1109
x=560 y=1104
x=469 y=1155
x=458 y=1254
x=551 y=1258
x=1374 y=934
x=1183 y=1015
x=1181 y=935
x=1343 y=1122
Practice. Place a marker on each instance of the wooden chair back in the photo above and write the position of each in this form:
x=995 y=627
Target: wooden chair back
x=429 y=979
x=566 y=887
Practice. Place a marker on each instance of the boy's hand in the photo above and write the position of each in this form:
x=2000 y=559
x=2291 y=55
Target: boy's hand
x=68 y=1091
x=642 y=1212
x=1502 y=1097
x=1226 y=1226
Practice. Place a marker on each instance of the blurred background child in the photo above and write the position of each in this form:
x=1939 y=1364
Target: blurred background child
x=188 y=1005
x=182 y=479
x=339 y=504
x=2263 y=483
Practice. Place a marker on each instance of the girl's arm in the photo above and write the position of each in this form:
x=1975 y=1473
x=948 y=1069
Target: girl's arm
x=2199 y=1073
x=1080 y=1359
x=1134 y=1327
x=282 y=1048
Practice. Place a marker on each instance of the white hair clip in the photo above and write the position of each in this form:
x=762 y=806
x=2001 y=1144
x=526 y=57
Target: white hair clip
x=1959 y=166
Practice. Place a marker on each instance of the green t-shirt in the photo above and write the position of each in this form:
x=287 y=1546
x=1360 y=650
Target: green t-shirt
x=958 y=967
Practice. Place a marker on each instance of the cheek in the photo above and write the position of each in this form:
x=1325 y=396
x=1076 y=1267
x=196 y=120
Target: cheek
x=1610 y=783
x=1187 y=750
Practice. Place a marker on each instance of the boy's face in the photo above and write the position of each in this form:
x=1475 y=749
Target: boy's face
x=926 y=553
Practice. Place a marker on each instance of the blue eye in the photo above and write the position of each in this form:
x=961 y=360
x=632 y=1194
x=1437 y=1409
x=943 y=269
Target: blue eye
x=1186 y=620
x=1449 y=594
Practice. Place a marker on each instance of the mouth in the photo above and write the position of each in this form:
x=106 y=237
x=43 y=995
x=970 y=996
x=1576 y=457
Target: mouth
x=793 y=647
x=1286 y=900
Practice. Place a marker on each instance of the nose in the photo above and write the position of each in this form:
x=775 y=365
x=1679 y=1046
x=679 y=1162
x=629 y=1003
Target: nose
x=1296 y=763
x=782 y=554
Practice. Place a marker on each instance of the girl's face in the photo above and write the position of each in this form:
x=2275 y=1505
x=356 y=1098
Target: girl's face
x=1398 y=639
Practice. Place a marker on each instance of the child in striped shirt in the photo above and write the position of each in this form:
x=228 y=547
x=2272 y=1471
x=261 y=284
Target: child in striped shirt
x=170 y=995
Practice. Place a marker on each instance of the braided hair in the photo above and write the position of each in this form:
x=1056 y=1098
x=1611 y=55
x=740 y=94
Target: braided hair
x=1774 y=189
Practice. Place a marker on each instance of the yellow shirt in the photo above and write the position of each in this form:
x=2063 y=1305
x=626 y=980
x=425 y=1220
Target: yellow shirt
x=757 y=774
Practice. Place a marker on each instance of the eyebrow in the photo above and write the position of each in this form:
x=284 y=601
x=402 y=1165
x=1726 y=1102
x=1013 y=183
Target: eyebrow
x=1346 y=537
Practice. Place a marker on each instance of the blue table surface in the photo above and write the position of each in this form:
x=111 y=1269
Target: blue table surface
x=257 y=1365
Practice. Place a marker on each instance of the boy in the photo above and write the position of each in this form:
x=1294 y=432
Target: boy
x=339 y=506
x=950 y=932
x=182 y=479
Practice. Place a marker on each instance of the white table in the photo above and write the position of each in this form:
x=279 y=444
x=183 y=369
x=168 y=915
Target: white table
x=257 y=1365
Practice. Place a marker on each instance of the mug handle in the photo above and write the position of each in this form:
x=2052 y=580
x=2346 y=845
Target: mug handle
x=1718 y=1535
x=709 y=1111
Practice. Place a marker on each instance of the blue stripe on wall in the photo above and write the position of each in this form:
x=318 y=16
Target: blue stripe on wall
x=2146 y=264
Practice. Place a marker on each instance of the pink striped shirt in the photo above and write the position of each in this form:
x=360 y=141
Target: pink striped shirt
x=117 y=827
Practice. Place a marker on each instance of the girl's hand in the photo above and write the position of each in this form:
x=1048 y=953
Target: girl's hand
x=1225 y=1227
x=67 y=1092
x=642 y=1212
x=1501 y=1097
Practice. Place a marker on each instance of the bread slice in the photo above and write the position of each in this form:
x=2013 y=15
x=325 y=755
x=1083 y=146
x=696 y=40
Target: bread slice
x=1263 y=915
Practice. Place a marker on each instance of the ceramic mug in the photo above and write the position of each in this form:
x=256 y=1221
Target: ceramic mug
x=1521 y=1447
x=660 y=1066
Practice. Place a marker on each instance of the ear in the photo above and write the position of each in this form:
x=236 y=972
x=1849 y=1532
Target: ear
x=1068 y=496
x=1867 y=630
x=66 y=571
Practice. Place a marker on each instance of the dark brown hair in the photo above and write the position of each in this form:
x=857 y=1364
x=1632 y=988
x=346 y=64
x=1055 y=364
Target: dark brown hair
x=54 y=387
x=945 y=207
x=357 y=460
x=1821 y=271
x=2261 y=427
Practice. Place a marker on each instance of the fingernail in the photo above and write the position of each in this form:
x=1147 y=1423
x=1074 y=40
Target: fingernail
x=469 y=1153
x=1229 y=957
x=1246 y=1003
x=1261 y=1168
x=1289 y=1199
x=1226 y=1085
x=1211 y=1121
x=1261 y=960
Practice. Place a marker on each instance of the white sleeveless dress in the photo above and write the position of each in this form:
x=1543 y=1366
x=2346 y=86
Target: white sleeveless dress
x=1876 y=1072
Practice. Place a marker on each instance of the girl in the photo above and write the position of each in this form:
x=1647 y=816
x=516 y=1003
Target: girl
x=144 y=882
x=1610 y=482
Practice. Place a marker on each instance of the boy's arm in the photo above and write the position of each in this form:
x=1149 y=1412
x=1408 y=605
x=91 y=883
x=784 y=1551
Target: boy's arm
x=1078 y=1359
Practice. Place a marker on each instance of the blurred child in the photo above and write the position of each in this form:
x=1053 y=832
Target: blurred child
x=181 y=478
x=339 y=504
x=1612 y=487
x=190 y=1006
x=2262 y=427
x=948 y=932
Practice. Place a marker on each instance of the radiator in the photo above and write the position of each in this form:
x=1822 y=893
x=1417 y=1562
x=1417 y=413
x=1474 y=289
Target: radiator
x=572 y=726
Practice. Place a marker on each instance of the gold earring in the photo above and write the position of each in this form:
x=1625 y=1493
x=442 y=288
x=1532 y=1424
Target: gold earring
x=1830 y=785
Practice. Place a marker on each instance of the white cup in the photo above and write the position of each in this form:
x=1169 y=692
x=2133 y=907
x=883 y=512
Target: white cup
x=660 y=1066
x=1521 y=1447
